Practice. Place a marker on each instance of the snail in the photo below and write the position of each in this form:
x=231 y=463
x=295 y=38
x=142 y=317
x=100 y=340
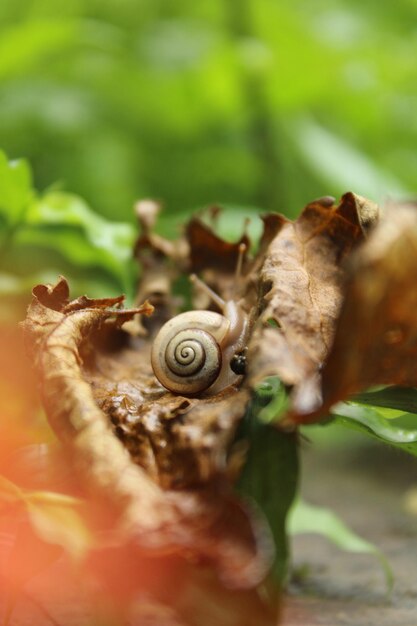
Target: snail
x=202 y=351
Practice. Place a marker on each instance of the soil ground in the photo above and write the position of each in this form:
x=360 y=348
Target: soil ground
x=368 y=486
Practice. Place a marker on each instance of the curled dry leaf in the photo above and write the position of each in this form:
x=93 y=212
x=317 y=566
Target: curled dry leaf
x=158 y=460
x=376 y=337
x=161 y=261
x=134 y=443
x=301 y=287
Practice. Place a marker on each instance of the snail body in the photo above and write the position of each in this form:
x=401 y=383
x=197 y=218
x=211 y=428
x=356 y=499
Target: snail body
x=192 y=353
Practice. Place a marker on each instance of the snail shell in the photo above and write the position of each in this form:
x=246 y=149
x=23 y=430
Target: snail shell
x=186 y=355
x=192 y=352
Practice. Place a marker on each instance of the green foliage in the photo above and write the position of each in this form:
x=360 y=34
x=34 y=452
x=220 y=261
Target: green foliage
x=272 y=398
x=44 y=235
x=270 y=475
x=272 y=466
x=258 y=102
x=47 y=234
x=403 y=399
x=64 y=223
x=373 y=421
x=16 y=190
x=305 y=518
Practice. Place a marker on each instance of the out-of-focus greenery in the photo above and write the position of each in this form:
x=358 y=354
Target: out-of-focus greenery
x=306 y=519
x=264 y=103
x=44 y=235
x=374 y=422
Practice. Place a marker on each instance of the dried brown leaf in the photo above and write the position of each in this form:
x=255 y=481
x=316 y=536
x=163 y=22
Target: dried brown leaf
x=133 y=442
x=209 y=251
x=301 y=288
x=376 y=336
x=53 y=296
x=150 y=247
x=161 y=260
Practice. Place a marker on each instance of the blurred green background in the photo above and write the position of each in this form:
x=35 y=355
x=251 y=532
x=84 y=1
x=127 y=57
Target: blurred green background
x=260 y=104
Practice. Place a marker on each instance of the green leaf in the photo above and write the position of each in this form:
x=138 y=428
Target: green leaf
x=65 y=223
x=403 y=399
x=59 y=230
x=15 y=188
x=340 y=165
x=270 y=474
x=13 y=285
x=24 y=45
x=369 y=421
x=305 y=518
x=273 y=397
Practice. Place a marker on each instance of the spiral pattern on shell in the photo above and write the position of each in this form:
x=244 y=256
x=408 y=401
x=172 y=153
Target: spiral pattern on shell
x=187 y=358
x=185 y=354
x=192 y=358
